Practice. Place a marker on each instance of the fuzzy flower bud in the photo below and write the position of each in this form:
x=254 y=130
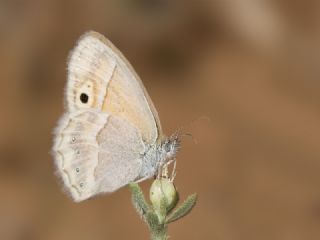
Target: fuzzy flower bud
x=163 y=195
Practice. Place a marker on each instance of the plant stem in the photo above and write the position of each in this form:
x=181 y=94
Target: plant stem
x=160 y=233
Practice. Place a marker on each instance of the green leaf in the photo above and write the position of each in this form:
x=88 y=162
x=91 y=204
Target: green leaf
x=138 y=200
x=183 y=209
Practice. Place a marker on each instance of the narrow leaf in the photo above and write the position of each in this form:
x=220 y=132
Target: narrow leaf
x=138 y=199
x=183 y=209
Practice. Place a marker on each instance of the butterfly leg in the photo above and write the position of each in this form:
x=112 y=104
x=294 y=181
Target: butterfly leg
x=164 y=170
x=174 y=172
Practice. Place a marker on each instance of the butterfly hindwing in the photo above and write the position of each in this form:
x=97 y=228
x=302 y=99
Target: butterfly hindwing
x=119 y=158
x=76 y=151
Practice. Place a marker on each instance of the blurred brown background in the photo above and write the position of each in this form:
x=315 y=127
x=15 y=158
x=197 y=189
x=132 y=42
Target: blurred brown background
x=251 y=66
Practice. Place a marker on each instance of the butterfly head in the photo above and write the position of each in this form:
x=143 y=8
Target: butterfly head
x=172 y=145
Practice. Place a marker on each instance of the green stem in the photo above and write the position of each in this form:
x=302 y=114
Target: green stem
x=159 y=233
x=158 y=230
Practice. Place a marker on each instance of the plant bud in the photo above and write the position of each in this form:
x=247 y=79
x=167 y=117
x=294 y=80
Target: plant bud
x=163 y=191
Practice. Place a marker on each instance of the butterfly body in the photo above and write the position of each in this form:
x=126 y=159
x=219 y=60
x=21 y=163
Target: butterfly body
x=158 y=155
x=110 y=134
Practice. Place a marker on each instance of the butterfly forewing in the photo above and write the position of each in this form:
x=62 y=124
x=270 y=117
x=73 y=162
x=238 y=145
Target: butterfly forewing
x=90 y=69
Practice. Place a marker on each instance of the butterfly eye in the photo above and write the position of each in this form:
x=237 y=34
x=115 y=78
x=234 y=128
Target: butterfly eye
x=84 y=98
x=167 y=147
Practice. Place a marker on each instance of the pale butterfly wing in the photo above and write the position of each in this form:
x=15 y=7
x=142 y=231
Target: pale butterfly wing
x=119 y=157
x=96 y=153
x=109 y=122
x=76 y=151
x=98 y=68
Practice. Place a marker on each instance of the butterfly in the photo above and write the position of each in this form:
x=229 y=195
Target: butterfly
x=110 y=134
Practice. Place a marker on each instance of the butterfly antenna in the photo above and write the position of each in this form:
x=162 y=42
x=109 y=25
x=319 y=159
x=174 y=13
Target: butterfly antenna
x=179 y=133
x=195 y=141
